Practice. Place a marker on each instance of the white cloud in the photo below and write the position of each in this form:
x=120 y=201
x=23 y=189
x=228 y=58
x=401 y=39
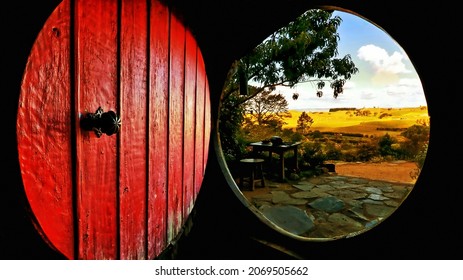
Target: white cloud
x=349 y=84
x=381 y=61
x=387 y=83
x=407 y=92
x=368 y=95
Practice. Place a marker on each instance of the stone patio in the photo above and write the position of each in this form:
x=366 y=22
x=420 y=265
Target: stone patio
x=329 y=205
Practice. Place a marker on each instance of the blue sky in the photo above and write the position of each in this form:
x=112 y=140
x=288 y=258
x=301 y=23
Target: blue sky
x=386 y=77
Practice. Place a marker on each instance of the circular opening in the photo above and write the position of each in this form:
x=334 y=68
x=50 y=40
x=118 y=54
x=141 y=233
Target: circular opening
x=335 y=113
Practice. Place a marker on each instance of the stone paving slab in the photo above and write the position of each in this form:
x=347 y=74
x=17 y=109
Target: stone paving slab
x=330 y=205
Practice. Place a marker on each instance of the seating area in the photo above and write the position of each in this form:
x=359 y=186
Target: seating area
x=251 y=172
x=259 y=149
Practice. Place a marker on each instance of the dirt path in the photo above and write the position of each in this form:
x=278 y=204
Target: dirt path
x=397 y=171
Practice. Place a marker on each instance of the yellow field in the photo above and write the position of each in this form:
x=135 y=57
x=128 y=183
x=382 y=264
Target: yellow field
x=346 y=121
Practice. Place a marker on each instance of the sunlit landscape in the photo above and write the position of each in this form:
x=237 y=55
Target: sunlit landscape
x=373 y=121
x=335 y=160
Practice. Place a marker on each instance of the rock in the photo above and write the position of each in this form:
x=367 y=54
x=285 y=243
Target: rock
x=328 y=204
x=290 y=218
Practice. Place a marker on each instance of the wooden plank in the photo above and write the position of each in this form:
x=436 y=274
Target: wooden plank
x=176 y=110
x=96 y=85
x=189 y=125
x=44 y=132
x=207 y=123
x=133 y=136
x=158 y=131
x=200 y=113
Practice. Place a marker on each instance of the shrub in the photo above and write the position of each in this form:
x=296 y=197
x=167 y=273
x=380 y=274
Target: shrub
x=333 y=151
x=417 y=140
x=421 y=156
x=316 y=134
x=385 y=145
x=312 y=154
x=367 y=151
x=349 y=155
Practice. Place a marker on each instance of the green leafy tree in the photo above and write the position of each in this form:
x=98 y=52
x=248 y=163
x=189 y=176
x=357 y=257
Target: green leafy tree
x=306 y=50
x=231 y=118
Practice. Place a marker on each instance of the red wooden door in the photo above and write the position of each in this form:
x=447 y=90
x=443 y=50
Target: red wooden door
x=126 y=195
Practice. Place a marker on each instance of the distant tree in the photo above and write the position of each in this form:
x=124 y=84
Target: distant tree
x=267 y=109
x=304 y=122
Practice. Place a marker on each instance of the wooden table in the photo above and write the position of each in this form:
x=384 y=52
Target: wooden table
x=258 y=147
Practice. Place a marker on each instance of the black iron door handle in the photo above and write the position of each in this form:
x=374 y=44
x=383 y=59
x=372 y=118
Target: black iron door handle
x=101 y=122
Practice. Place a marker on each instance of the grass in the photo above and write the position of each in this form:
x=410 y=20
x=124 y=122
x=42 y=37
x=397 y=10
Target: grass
x=377 y=123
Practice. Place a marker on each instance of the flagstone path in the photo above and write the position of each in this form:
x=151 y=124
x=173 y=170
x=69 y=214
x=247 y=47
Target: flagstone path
x=329 y=205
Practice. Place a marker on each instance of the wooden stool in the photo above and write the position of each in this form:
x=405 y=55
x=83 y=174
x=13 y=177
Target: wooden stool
x=253 y=167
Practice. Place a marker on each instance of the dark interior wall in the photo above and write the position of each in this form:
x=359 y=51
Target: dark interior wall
x=427 y=226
